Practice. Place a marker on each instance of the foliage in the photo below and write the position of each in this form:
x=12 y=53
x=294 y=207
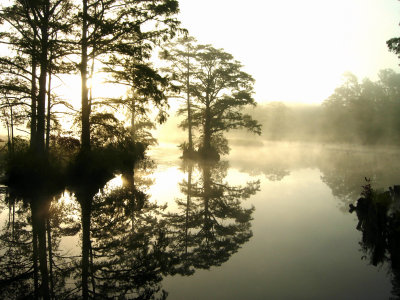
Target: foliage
x=30 y=176
x=41 y=35
x=217 y=90
x=181 y=58
x=122 y=33
x=16 y=249
x=92 y=170
x=145 y=95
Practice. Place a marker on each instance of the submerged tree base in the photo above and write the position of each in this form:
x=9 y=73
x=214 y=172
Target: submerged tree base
x=190 y=154
x=201 y=155
x=209 y=154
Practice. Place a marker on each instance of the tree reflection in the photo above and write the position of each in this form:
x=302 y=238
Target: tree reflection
x=128 y=248
x=211 y=224
x=19 y=273
x=344 y=172
x=128 y=242
x=378 y=215
x=35 y=182
x=16 y=267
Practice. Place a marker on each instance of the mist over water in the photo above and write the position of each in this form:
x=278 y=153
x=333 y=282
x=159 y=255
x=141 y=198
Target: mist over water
x=138 y=162
x=300 y=234
x=303 y=235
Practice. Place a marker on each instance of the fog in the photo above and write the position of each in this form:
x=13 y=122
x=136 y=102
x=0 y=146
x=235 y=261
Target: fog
x=140 y=161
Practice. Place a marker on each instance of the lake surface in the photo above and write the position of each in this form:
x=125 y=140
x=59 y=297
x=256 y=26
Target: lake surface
x=305 y=244
x=268 y=222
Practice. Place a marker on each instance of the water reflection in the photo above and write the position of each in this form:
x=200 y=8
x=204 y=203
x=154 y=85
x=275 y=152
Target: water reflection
x=128 y=243
x=344 y=172
x=33 y=184
x=378 y=214
x=342 y=168
x=19 y=264
x=128 y=247
x=211 y=223
x=16 y=267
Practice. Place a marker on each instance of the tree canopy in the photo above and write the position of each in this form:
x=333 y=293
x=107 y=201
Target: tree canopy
x=219 y=91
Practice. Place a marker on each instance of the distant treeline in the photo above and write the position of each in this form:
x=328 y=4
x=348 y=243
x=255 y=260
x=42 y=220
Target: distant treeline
x=364 y=112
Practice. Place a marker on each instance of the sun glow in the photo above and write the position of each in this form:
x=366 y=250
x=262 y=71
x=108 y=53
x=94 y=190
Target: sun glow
x=166 y=186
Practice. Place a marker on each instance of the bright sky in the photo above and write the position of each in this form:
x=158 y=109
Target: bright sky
x=298 y=50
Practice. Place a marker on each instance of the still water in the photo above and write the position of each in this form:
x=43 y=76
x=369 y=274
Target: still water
x=305 y=244
x=268 y=222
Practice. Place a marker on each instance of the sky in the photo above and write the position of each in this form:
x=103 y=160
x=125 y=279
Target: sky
x=297 y=50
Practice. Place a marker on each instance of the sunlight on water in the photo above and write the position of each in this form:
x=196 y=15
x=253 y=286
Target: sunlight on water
x=165 y=153
x=300 y=234
x=236 y=177
x=166 y=186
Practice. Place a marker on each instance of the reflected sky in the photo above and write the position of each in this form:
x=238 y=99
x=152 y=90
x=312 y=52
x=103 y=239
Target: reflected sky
x=302 y=247
x=302 y=243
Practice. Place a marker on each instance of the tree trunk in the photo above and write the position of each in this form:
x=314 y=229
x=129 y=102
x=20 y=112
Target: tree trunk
x=33 y=105
x=92 y=271
x=13 y=219
x=48 y=117
x=207 y=226
x=128 y=181
x=12 y=129
x=207 y=129
x=189 y=109
x=133 y=115
x=43 y=258
x=41 y=103
x=8 y=137
x=85 y=114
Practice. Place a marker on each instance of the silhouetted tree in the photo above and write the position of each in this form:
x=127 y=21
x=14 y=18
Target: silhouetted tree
x=221 y=91
x=394 y=45
x=112 y=29
x=34 y=26
x=20 y=81
x=12 y=114
x=127 y=28
x=145 y=95
x=357 y=112
x=128 y=259
x=181 y=57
